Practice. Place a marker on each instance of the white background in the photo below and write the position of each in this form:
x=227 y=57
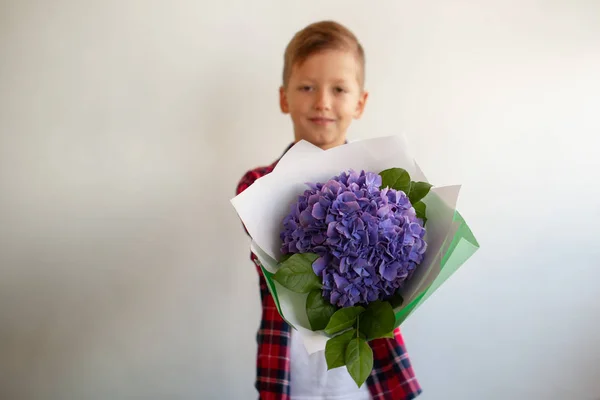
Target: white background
x=125 y=126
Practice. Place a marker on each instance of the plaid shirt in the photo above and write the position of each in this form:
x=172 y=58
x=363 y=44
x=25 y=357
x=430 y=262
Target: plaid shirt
x=392 y=377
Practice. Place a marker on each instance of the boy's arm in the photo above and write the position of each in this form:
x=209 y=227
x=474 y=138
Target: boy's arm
x=272 y=359
x=393 y=376
x=247 y=180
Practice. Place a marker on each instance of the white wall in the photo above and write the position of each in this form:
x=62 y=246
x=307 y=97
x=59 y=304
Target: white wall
x=125 y=125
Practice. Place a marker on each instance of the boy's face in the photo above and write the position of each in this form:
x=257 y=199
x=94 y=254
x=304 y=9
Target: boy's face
x=323 y=96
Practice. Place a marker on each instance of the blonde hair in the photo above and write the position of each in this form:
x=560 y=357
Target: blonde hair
x=317 y=37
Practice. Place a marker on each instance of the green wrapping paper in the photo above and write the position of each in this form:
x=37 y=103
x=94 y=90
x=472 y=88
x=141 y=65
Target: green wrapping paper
x=462 y=246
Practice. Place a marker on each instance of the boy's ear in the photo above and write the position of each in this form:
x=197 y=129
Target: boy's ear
x=283 y=103
x=360 y=106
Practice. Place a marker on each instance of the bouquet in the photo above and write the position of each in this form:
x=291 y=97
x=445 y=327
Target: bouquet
x=352 y=241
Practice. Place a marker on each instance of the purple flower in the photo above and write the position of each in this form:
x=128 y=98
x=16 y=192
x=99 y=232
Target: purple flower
x=369 y=240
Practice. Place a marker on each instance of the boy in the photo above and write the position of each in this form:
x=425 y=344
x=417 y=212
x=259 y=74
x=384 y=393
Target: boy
x=322 y=91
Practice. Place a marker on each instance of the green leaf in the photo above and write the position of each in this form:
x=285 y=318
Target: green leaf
x=359 y=360
x=343 y=319
x=296 y=273
x=395 y=178
x=421 y=210
x=396 y=300
x=335 y=349
x=319 y=310
x=377 y=320
x=285 y=257
x=418 y=190
x=389 y=335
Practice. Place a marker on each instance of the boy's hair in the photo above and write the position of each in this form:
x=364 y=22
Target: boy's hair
x=317 y=37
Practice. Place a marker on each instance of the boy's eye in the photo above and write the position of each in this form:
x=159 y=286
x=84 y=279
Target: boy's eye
x=305 y=88
x=340 y=90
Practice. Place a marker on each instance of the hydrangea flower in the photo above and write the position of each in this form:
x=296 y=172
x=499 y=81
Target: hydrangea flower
x=369 y=240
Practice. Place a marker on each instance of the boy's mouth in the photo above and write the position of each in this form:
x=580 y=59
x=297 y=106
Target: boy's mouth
x=321 y=120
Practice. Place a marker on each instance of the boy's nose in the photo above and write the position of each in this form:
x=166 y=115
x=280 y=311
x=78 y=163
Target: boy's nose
x=323 y=100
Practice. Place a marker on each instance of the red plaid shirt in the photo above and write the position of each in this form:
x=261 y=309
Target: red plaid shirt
x=392 y=377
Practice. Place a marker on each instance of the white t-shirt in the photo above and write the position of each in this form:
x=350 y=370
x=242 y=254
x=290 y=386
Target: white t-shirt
x=310 y=379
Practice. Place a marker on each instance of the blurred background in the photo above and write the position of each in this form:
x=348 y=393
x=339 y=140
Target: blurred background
x=126 y=125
